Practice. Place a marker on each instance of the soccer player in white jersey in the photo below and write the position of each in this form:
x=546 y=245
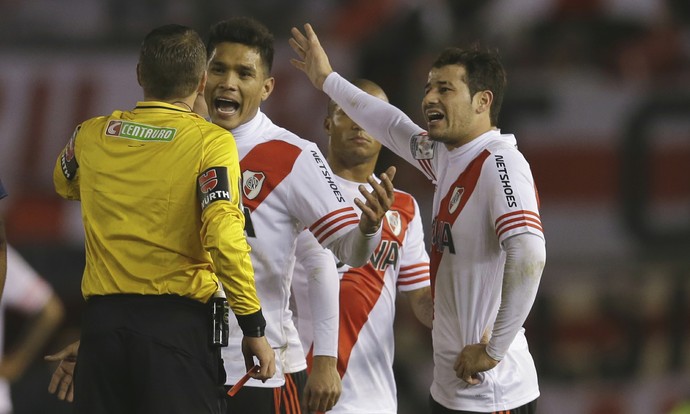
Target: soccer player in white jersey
x=287 y=186
x=368 y=293
x=42 y=311
x=488 y=248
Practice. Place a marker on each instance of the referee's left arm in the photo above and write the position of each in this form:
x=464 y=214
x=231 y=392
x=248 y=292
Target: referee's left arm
x=222 y=231
x=66 y=171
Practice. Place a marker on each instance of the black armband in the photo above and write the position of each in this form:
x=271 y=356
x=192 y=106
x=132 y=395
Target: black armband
x=253 y=325
x=212 y=185
x=68 y=160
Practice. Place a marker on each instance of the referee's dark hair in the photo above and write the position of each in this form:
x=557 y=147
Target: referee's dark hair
x=172 y=62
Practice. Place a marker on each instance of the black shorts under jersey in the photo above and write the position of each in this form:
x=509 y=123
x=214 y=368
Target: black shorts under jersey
x=147 y=354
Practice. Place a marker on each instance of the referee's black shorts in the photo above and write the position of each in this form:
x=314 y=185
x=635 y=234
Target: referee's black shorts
x=147 y=354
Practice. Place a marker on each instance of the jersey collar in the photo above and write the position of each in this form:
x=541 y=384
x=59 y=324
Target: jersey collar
x=159 y=106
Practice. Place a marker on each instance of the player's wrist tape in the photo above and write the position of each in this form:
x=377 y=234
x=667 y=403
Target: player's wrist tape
x=253 y=325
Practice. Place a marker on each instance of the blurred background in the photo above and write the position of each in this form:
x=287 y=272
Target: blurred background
x=598 y=98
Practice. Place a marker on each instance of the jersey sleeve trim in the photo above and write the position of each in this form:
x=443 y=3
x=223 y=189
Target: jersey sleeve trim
x=333 y=222
x=414 y=270
x=517 y=219
x=416 y=276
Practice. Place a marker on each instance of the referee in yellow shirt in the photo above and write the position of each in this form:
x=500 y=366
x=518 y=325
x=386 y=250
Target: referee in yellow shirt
x=159 y=191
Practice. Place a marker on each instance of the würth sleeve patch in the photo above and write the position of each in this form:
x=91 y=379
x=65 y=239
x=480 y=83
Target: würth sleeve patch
x=212 y=185
x=68 y=162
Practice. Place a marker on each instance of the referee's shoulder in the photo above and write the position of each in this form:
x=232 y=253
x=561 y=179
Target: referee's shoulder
x=208 y=129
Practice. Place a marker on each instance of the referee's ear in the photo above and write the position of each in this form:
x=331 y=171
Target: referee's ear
x=202 y=84
x=139 y=76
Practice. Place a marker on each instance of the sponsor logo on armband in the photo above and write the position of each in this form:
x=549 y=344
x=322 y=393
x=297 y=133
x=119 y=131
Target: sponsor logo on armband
x=422 y=147
x=508 y=191
x=212 y=185
x=68 y=162
x=139 y=132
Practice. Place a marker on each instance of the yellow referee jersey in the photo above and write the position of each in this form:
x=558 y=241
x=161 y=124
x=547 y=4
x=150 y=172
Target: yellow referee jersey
x=159 y=191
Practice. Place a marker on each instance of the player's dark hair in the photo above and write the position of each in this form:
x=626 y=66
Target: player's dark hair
x=484 y=72
x=172 y=62
x=246 y=31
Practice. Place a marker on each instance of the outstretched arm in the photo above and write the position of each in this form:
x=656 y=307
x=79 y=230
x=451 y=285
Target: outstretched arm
x=388 y=124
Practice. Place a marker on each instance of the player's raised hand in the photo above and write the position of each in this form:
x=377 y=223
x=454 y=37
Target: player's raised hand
x=314 y=61
x=378 y=201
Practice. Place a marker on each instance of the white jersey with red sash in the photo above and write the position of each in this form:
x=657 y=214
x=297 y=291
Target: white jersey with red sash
x=287 y=186
x=484 y=194
x=367 y=307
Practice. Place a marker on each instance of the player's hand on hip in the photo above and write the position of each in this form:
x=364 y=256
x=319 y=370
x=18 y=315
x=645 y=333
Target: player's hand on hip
x=314 y=61
x=324 y=386
x=62 y=381
x=261 y=349
x=378 y=201
x=472 y=360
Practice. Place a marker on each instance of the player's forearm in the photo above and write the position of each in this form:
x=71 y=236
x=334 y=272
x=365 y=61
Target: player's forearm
x=422 y=305
x=382 y=120
x=525 y=259
x=38 y=332
x=355 y=247
x=324 y=287
x=3 y=256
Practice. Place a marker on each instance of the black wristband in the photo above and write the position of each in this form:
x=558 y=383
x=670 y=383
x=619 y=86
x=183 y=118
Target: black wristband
x=253 y=325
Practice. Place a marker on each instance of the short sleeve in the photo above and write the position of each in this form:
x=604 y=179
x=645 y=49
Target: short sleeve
x=514 y=202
